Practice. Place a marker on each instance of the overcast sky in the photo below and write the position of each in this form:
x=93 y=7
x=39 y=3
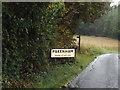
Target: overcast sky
x=115 y=2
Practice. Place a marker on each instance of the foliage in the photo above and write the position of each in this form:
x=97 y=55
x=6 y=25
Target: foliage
x=31 y=30
x=87 y=12
x=106 y=26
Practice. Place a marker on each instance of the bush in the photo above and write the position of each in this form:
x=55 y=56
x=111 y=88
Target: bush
x=29 y=32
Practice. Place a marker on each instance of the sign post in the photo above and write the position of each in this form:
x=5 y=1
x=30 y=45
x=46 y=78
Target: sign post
x=79 y=41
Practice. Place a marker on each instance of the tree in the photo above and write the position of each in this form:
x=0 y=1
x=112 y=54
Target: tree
x=106 y=26
x=76 y=11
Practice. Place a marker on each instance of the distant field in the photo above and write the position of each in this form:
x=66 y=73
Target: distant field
x=102 y=42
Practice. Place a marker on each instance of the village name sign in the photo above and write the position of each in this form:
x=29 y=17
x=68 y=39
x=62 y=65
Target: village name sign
x=62 y=53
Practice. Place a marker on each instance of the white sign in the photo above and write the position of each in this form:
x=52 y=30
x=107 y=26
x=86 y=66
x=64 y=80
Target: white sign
x=61 y=53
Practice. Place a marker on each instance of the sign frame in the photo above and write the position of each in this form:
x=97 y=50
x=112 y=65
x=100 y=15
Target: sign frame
x=63 y=56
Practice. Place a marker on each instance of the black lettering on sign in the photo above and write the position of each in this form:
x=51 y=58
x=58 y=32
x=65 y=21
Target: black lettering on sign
x=62 y=51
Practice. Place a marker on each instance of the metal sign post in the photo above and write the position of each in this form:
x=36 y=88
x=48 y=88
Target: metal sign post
x=79 y=41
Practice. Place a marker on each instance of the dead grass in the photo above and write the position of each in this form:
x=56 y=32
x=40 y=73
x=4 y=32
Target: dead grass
x=102 y=42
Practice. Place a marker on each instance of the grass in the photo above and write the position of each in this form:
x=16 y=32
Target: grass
x=58 y=76
x=101 y=42
x=61 y=74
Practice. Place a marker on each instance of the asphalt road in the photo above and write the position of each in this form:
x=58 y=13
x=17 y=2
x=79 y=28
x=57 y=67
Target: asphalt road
x=101 y=73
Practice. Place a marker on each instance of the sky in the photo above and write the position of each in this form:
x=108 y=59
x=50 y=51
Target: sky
x=115 y=2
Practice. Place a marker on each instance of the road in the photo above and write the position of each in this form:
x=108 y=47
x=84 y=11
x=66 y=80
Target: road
x=101 y=73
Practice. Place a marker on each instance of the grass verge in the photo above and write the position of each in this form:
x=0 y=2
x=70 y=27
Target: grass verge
x=61 y=74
